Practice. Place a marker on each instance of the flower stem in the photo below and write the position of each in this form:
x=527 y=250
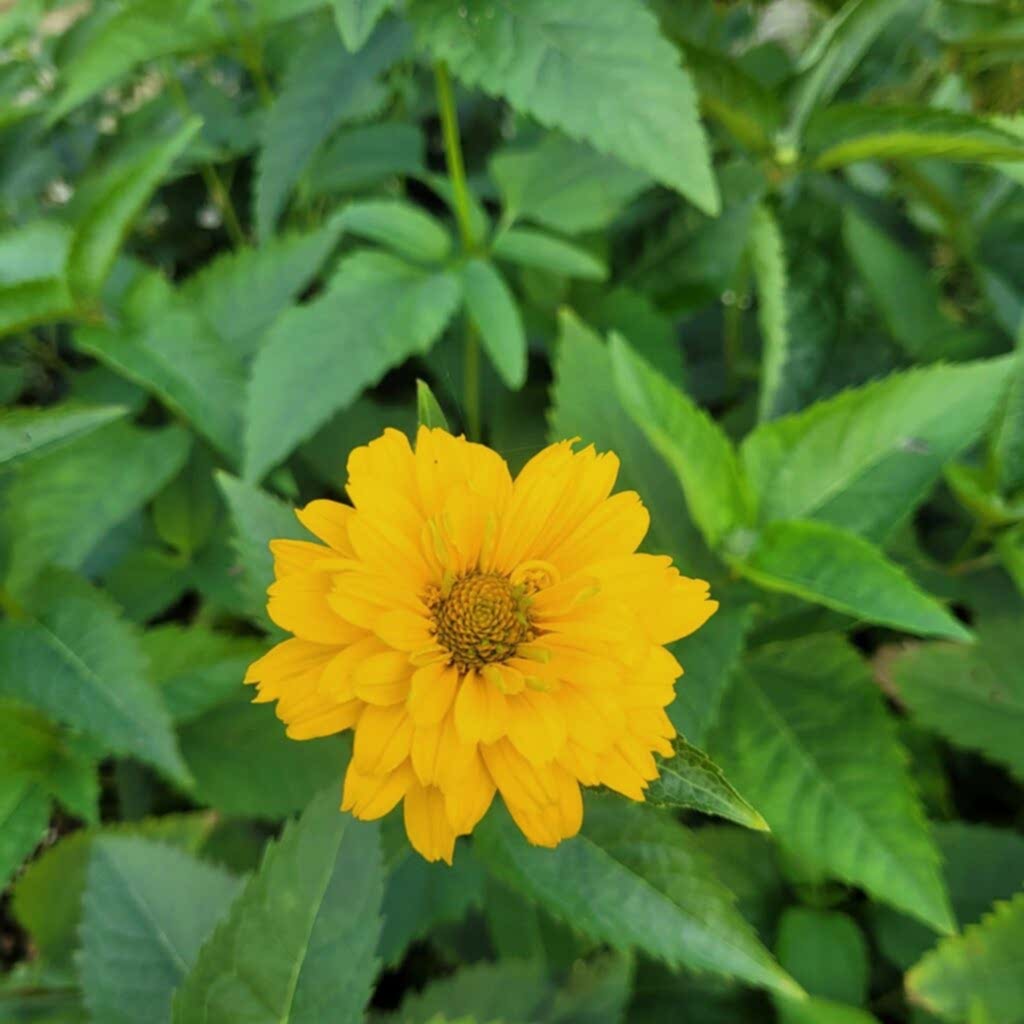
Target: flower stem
x=460 y=202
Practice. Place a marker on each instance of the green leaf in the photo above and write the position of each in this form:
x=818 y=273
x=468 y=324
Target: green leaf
x=494 y=312
x=1008 y=438
x=428 y=410
x=768 y=262
x=376 y=312
x=318 y=893
x=974 y=696
x=356 y=19
x=117 y=201
x=552 y=59
x=147 y=909
x=564 y=185
x=804 y=733
x=826 y=952
x=633 y=880
x=48 y=896
x=33 y=275
x=240 y=293
x=61 y=504
x=845 y=133
x=696 y=448
x=401 y=226
x=820 y=1011
x=827 y=565
x=545 y=252
x=73 y=658
x=323 y=87
x=692 y=780
x=24 y=816
x=26 y=433
x=186 y=511
x=866 y=458
x=976 y=971
x=366 y=155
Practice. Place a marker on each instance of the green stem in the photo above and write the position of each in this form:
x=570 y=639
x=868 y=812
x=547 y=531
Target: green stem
x=460 y=202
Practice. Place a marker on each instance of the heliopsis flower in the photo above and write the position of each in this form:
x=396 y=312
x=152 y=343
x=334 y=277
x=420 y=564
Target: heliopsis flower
x=480 y=634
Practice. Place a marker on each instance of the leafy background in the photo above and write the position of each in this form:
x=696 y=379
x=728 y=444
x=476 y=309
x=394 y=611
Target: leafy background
x=771 y=254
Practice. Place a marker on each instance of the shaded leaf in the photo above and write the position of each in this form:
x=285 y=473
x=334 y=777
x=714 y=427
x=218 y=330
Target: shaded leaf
x=357 y=18
x=33 y=275
x=401 y=226
x=546 y=252
x=26 y=432
x=24 y=816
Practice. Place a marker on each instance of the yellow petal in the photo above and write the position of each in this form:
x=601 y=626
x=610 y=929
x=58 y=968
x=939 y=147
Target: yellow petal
x=404 y=630
x=432 y=691
x=299 y=604
x=468 y=797
x=328 y=520
x=480 y=710
x=536 y=725
x=371 y=796
x=323 y=721
x=336 y=680
x=382 y=678
x=426 y=823
x=292 y=556
x=383 y=739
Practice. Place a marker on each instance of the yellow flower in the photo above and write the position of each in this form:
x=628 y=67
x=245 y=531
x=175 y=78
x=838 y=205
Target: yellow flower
x=480 y=634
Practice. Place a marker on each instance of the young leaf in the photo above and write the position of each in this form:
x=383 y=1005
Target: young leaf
x=24 y=815
x=33 y=275
x=978 y=970
x=428 y=409
x=118 y=200
x=401 y=226
x=356 y=20
x=866 y=458
x=545 y=252
x=827 y=565
x=691 y=779
x=803 y=732
x=551 y=58
x=633 y=880
x=26 y=433
x=493 y=310
x=377 y=312
x=318 y=893
x=696 y=448
x=147 y=909
x=73 y=658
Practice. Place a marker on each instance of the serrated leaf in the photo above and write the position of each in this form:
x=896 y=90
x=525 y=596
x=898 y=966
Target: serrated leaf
x=428 y=410
x=551 y=58
x=241 y=292
x=26 y=432
x=827 y=565
x=376 y=312
x=690 y=779
x=803 y=732
x=61 y=504
x=48 y=896
x=324 y=86
x=493 y=310
x=564 y=185
x=24 y=816
x=318 y=893
x=693 y=445
x=976 y=971
x=117 y=201
x=356 y=19
x=633 y=880
x=866 y=458
x=73 y=658
x=401 y=226
x=33 y=275
x=768 y=262
x=147 y=909
x=546 y=252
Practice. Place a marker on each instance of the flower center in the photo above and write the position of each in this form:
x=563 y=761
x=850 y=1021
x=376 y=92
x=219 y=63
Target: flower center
x=479 y=618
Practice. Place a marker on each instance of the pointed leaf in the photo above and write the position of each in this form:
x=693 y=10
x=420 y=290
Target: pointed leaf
x=401 y=226
x=546 y=252
x=428 y=409
x=357 y=18
x=493 y=310
x=24 y=816
x=26 y=432
x=33 y=275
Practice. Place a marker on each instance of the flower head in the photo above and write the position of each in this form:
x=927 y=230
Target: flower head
x=480 y=634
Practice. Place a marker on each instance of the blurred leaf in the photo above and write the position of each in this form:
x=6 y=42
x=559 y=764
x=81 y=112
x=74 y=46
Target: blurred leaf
x=845 y=133
x=804 y=733
x=633 y=880
x=33 y=275
x=546 y=252
x=73 y=658
x=826 y=952
x=318 y=893
x=652 y=333
x=493 y=310
x=696 y=448
x=362 y=156
x=820 y=1011
x=690 y=779
x=564 y=185
x=48 y=896
x=401 y=226
x=24 y=816
x=62 y=503
x=241 y=292
x=834 y=567
x=376 y=312
x=866 y=458
x=147 y=909
x=428 y=409
x=324 y=86
x=978 y=970
x=551 y=59
x=26 y=432
x=356 y=19
x=1008 y=438
x=973 y=696
x=185 y=512
x=117 y=201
